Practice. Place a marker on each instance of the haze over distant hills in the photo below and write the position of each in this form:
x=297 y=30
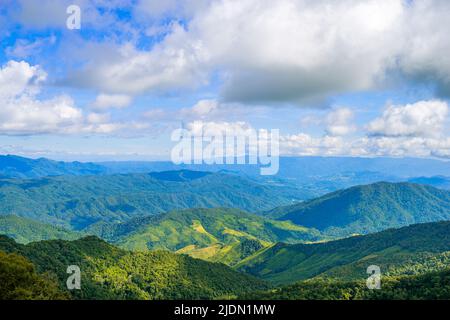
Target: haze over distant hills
x=12 y=166
x=337 y=171
x=310 y=166
x=315 y=175
x=436 y=181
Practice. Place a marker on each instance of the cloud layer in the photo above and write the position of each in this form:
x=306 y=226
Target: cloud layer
x=286 y=51
x=233 y=57
x=24 y=113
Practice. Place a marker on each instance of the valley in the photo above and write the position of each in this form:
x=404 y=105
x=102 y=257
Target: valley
x=184 y=234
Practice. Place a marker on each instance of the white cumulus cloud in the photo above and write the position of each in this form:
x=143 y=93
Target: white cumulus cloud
x=423 y=118
x=22 y=112
x=264 y=51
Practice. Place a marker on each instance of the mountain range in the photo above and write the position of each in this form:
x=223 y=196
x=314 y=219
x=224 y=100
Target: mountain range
x=75 y=202
x=369 y=208
x=12 y=166
x=112 y=273
x=409 y=250
x=428 y=286
x=315 y=176
x=185 y=233
x=219 y=234
x=215 y=234
x=436 y=181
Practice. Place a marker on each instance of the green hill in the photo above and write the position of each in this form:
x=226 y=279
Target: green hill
x=220 y=234
x=410 y=250
x=19 y=281
x=428 y=286
x=369 y=208
x=76 y=202
x=112 y=273
x=25 y=230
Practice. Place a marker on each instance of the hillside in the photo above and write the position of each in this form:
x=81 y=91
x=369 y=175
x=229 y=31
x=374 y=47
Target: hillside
x=410 y=250
x=369 y=208
x=19 y=167
x=226 y=235
x=428 y=286
x=25 y=230
x=19 y=281
x=75 y=202
x=112 y=273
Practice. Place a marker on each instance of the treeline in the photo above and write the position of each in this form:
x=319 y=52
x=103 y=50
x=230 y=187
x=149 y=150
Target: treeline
x=430 y=286
x=108 y=272
x=19 y=281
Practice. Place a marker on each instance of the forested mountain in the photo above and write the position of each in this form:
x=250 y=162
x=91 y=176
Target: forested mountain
x=112 y=273
x=369 y=208
x=75 y=202
x=315 y=176
x=414 y=262
x=226 y=235
x=410 y=250
x=19 y=281
x=19 y=167
x=228 y=217
x=428 y=286
x=25 y=230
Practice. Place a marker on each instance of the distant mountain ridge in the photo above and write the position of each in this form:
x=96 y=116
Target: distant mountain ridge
x=436 y=181
x=369 y=208
x=75 y=202
x=307 y=166
x=339 y=171
x=19 y=167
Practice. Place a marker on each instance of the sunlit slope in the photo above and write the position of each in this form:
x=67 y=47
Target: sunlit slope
x=112 y=273
x=219 y=234
x=25 y=230
x=410 y=250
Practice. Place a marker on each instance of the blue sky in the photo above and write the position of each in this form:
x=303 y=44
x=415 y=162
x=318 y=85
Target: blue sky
x=350 y=78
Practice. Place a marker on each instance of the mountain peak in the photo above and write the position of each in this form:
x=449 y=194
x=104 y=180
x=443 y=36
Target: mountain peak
x=369 y=208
